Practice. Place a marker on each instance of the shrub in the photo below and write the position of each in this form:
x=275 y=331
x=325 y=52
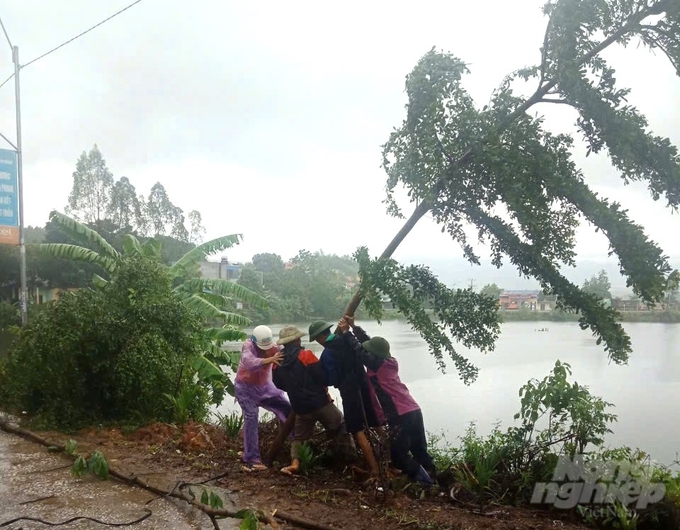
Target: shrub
x=109 y=354
x=231 y=423
x=9 y=315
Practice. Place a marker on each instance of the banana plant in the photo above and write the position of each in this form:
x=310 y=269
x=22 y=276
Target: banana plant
x=211 y=299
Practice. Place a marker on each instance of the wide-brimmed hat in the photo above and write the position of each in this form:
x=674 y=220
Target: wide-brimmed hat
x=317 y=327
x=378 y=347
x=289 y=334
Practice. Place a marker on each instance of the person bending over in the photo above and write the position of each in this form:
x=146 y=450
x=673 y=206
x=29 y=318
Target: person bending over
x=405 y=419
x=302 y=377
x=345 y=371
x=254 y=388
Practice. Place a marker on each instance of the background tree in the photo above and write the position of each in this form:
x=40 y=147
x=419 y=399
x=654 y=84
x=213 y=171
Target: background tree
x=272 y=268
x=268 y=262
x=90 y=195
x=196 y=230
x=164 y=218
x=598 y=285
x=464 y=164
x=316 y=285
x=34 y=234
x=124 y=207
x=491 y=290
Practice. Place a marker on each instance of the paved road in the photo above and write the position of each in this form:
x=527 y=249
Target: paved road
x=28 y=472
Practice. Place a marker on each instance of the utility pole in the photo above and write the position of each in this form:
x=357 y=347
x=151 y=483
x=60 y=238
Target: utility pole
x=20 y=179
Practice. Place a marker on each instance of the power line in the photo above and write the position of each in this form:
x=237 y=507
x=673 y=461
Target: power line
x=68 y=41
x=6 y=35
x=81 y=34
x=6 y=80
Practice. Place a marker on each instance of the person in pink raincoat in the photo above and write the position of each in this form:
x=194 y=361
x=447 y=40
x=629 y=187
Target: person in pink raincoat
x=254 y=388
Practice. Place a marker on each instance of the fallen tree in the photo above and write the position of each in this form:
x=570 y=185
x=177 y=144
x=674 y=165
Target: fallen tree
x=499 y=170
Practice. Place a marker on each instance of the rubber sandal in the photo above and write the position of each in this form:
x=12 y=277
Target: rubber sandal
x=249 y=468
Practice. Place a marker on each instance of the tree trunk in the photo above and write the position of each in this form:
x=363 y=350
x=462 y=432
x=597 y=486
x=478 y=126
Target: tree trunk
x=417 y=214
x=285 y=429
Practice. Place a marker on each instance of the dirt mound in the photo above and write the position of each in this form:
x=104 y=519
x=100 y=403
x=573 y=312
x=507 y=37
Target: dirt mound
x=155 y=434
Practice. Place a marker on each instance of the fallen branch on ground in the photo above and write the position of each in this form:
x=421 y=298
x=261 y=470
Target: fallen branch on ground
x=176 y=492
x=74 y=519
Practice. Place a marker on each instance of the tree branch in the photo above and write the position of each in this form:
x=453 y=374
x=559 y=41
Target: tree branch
x=74 y=519
x=176 y=492
x=557 y=101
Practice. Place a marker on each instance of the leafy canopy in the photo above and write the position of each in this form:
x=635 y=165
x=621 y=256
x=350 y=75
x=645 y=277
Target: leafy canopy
x=499 y=169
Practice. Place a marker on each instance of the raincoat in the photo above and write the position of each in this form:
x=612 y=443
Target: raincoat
x=254 y=388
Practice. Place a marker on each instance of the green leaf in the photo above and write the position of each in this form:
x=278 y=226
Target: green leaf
x=77 y=253
x=205 y=369
x=79 y=467
x=225 y=288
x=208 y=311
x=98 y=465
x=71 y=447
x=131 y=245
x=98 y=281
x=82 y=232
x=216 y=501
x=202 y=251
x=152 y=248
x=225 y=334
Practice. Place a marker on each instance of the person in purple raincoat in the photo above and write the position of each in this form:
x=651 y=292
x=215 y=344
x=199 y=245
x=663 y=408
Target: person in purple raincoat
x=254 y=388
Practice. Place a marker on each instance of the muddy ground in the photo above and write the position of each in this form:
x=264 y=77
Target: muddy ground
x=164 y=454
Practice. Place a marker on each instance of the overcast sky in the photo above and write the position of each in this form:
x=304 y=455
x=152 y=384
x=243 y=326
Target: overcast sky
x=268 y=117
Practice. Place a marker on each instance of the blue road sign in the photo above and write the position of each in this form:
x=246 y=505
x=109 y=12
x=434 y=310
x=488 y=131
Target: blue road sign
x=9 y=198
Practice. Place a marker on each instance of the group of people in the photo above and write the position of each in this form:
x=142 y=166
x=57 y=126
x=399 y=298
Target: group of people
x=283 y=377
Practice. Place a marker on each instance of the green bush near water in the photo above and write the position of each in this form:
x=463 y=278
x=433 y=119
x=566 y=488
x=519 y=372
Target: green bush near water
x=107 y=355
x=504 y=467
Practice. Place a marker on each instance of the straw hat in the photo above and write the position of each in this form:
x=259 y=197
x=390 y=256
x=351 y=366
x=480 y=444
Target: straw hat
x=289 y=334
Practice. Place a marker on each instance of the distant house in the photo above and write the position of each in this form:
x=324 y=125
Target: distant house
x=634 y=304
x=386 y=302
x=516 y=300
x=220 y=270
x=545 y=305
x=35 y=295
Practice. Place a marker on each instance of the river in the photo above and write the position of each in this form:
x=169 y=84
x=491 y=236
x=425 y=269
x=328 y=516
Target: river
x=644 y=392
